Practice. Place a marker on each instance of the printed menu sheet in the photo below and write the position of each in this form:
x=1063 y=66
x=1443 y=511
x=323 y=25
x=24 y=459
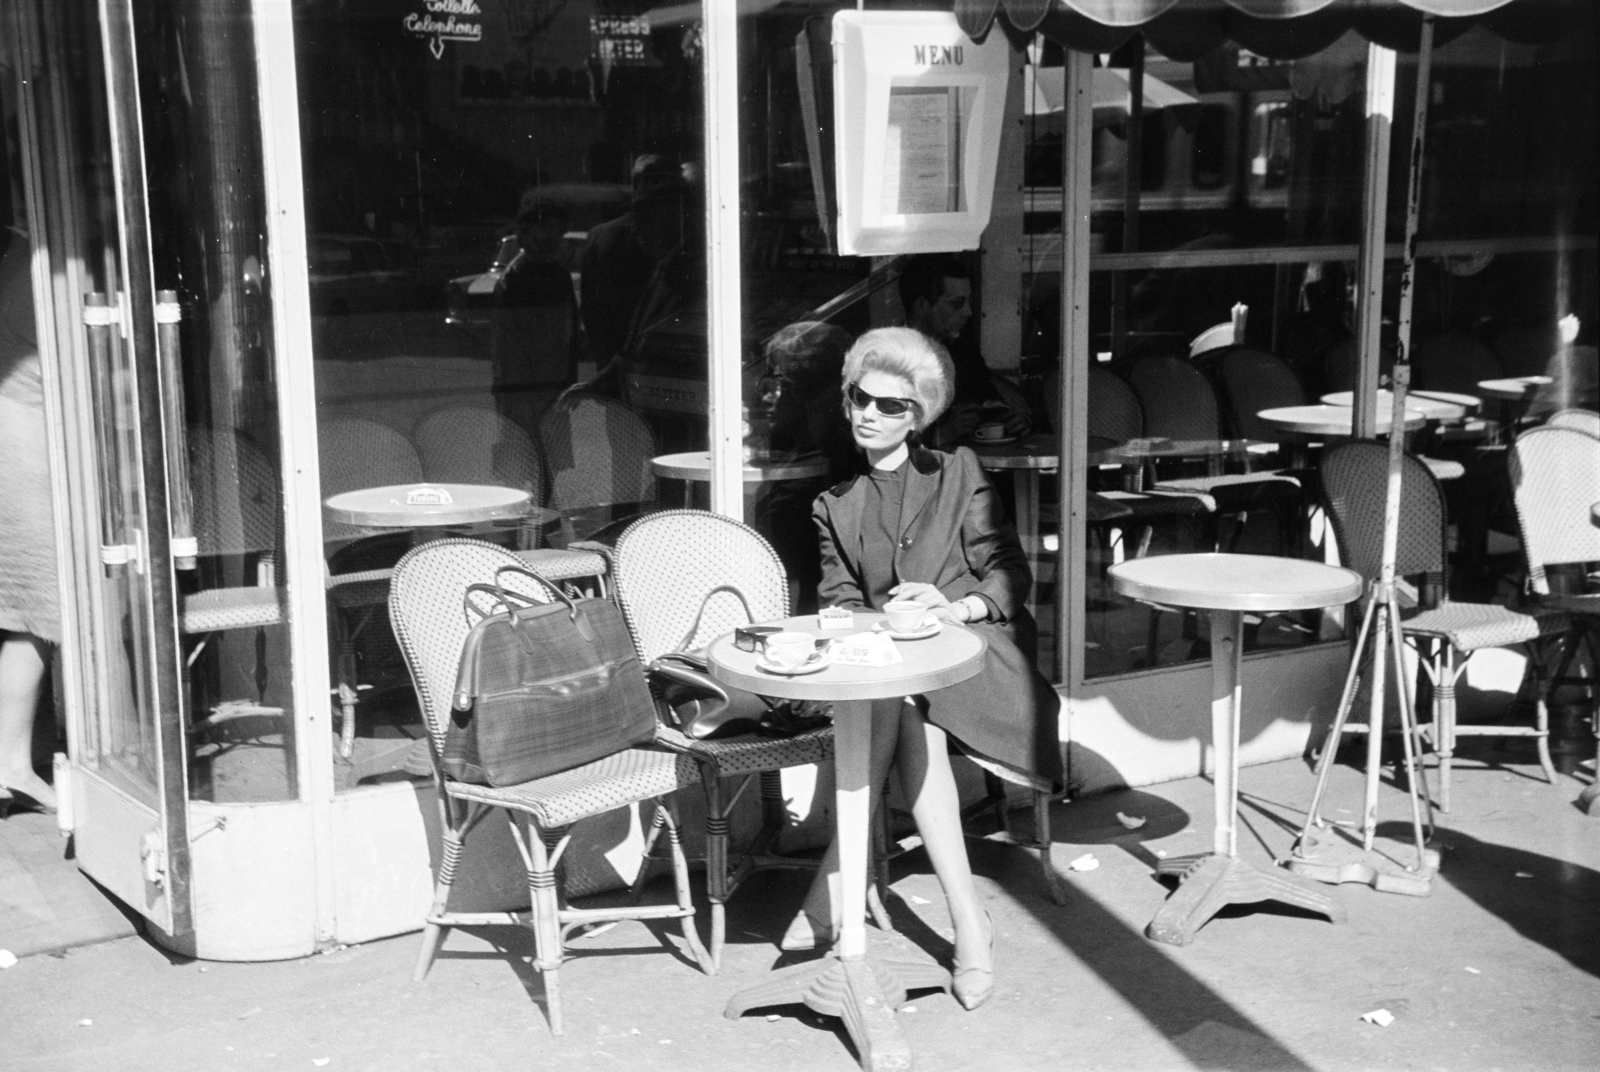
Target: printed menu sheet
x=922 y=152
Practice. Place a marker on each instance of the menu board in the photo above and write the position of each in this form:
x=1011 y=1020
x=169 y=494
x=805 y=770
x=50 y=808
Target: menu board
x=917 y=109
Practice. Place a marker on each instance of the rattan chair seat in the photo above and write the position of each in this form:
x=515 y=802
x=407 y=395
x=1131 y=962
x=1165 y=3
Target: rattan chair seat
x=618 y=780
x=217 y=609
x=751 y=753
x=564 y=565
x=1470 y=626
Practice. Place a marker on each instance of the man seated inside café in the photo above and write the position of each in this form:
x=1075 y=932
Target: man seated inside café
x=936 y=293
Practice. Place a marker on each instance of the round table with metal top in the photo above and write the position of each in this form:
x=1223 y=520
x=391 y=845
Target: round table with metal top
x=1229 y=585
x=1433 y=405
x=1336 y=421
x=696 y=465
x=1513 y=388
x=864 y=991
x=408 y=506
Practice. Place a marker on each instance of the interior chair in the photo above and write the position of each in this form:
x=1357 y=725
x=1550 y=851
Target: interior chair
x=598 y=454
x=1339 y=366
x=665 y=566
x=1252 y=381
x=1355 y=485
x=356 y=453
x=426 y=598
x=1015 y=399
x=1526 y=351
x=235 y=512
x=460 y=443
x=1555 y=479
x=1586 y=421
x=1179 y=404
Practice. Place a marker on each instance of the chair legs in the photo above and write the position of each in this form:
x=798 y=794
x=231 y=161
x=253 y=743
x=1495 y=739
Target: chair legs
x=995 y=800
x=1443 y=672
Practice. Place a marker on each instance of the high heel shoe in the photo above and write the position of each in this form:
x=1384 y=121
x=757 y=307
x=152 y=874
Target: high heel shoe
x=21 y=800
x=974 y=986
x=805 y=934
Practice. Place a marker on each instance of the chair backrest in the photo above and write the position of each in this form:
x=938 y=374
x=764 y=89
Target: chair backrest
x=1114 y=411
x=1355 y=488
x=1586 y=421
x=665 y=565
x=358 y=453
x=597 y=452
x=1555 y=478
x=1453 y=362
x=1253 y=381
x=1177 y=400
x=476 y=444
x=430 y=621
x=235 y=490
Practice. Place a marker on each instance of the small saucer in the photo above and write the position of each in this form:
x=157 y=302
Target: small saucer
x=978 y=441
x=818 y=661
x=913 y=634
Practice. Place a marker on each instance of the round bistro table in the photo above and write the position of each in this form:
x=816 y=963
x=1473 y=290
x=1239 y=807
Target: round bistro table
x=1228 y=586
x=1326 y=420
x=1513 y=388
x=863 y=991
x=426 y=505
x=1433 y=406
x=696 y=465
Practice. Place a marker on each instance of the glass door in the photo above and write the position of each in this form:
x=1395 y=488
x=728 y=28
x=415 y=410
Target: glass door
x=86 y=220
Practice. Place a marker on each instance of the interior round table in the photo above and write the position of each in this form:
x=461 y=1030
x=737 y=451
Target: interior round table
x=407 y=506
x=1229 y=585
x=1513 y=388
x=1326 y=420
x=863 y=991
x=1429 y=405
x=696 y=465
x=1041 y=450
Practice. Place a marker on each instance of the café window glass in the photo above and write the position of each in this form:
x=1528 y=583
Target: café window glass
x=507 y=275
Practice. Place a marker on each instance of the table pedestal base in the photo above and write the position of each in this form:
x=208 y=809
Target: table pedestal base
x=1589 y=800
x=863 y=992
x=1210 y=881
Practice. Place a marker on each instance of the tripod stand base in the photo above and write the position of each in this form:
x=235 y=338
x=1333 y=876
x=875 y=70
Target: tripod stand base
x=862 y=992
x=1336 y=862
x=1211 y=881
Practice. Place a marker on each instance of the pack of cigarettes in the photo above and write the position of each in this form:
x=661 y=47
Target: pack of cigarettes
x=865 y=649
x=836 y=618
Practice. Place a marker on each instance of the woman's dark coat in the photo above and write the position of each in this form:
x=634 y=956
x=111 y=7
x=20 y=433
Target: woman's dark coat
x=954 y=535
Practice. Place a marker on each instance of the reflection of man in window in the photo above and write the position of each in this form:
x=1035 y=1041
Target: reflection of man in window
x=936 y=292
x=621 y=254
x=535 y=341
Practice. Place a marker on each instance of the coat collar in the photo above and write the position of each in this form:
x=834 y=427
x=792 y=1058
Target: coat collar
x=921 y=483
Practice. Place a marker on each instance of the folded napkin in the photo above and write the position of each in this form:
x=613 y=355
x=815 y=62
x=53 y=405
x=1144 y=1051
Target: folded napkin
x=865 y=649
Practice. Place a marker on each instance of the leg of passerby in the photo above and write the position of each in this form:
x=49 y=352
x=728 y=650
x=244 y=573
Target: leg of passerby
x=22 y=665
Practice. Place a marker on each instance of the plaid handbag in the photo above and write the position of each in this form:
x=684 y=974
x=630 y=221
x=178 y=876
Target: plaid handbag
x=543 y=687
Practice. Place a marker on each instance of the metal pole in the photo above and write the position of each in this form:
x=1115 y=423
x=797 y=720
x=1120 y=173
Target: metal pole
x=719 y=69
x=1419 y=134
x=1374 y=215
x=1076 y=135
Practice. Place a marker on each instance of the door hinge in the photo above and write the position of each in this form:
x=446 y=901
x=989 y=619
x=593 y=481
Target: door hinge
x=153 y=855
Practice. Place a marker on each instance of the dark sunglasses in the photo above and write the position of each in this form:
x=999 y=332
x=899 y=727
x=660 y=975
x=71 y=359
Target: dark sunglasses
x=887 y=405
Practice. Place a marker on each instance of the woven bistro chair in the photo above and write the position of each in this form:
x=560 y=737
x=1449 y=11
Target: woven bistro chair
x=1451 y=361
x=426 y=609
x=1555 y=480
x=1355 y=484
x=1252 y=381
x=665 y=566
x=236 y=517
x=598 y=454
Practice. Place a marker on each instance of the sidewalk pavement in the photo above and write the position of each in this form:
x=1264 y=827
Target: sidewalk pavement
x=1498 y=968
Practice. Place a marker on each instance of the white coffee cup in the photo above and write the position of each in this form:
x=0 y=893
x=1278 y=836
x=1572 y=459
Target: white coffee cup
x=990 y=431
x=905 y=615
x=791 y=650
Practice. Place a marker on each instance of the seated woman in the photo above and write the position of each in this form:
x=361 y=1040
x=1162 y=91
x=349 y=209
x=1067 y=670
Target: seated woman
x=927 y=526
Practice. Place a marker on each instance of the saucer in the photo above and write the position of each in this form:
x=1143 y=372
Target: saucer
x=979 y=441
x=818 y=661
x=913 y=634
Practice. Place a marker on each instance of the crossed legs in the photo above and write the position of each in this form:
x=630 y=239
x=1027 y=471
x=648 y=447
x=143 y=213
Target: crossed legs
x=902 y=736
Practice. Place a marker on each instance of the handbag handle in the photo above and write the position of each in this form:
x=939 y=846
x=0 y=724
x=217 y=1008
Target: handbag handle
x=688 y=638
